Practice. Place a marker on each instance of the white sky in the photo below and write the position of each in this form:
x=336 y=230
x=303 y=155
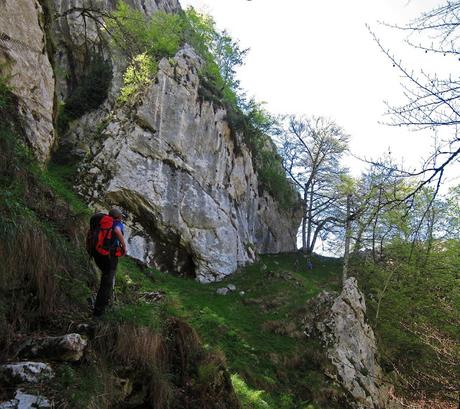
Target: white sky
x=318 y=58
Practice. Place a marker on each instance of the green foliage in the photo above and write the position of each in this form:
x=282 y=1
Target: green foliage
x=90 y=93
x=5 y=93
x=138 y=75
x=43 y=271
x=164 y=34
x=221 y=55
x=413 y=304
x=145 y=41
x=249 y=398
x=256 y=124
x=159 y=36
x=82 y=387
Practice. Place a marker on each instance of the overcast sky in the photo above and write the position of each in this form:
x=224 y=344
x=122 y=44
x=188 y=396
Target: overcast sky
x=318 y=58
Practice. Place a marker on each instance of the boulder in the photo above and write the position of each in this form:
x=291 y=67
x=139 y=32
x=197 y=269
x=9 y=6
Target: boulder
x=69 y=347
x=26 y=401
x=29 y=372
x=222 y=291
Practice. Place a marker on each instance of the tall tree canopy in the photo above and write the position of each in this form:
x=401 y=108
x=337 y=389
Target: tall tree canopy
x=311 y=149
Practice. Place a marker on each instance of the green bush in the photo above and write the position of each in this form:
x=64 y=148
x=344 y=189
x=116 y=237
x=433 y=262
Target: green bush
x=5 y=93
x=159 y=36
x=256 y=125
x=44 y=271
x=414 y=313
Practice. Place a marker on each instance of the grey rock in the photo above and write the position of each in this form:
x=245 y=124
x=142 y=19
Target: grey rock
x=340 y=322
x=69 y=347
x=174 y=163
x=153 y=297
x=26 y=401
x=30 y=372
x=222 y=291
x=24 y=61
x=231 y=287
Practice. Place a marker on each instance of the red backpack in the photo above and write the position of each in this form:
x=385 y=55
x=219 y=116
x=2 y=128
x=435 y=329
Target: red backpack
x=100 y=237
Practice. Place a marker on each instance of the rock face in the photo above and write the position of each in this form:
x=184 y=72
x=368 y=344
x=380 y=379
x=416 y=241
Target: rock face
x=24 y=60
x=340 y=322
x=175 y=164
x=78 y=36
x=25 y=55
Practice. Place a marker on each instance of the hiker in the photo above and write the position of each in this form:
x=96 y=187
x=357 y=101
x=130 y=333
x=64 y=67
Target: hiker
x=309 y=264
x=108 y=244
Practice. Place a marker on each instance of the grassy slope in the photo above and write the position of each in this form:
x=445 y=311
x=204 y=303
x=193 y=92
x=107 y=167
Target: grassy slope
x=254 y=330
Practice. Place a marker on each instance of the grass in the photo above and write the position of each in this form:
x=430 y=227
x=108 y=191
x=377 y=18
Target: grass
x=44 y=273
x=272 y=359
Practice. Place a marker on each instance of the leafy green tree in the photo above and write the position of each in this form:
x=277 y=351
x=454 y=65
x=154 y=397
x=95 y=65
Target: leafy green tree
x=221 y=53
x=132 y=33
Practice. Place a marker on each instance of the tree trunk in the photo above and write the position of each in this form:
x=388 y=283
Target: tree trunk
x=346 y=255
x=304 y=219
x=310 y=221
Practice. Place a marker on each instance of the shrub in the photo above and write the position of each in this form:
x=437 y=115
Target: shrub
x=137 y=76
x=5 y=93
x=159 y=36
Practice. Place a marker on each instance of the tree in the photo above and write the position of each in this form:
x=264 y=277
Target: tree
x=311 y=149
x=348 y=190
x=221 y=53
x=431 y=102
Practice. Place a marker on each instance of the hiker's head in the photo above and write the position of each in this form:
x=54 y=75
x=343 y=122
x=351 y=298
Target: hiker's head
x=116 y=213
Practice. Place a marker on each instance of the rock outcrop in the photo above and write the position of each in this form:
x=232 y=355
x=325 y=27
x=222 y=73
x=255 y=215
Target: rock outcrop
x=174 y=163
x=20 y=372
x=69 y=347
x=24 y=400
x=78 y=36
x=24 y=61
x=340 y=322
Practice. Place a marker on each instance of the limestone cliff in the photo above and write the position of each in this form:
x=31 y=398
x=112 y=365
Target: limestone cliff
x=175 y=164
x=171 y=160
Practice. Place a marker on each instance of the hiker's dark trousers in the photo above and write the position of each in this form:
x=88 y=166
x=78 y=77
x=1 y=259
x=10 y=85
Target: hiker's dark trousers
x=108 y=267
